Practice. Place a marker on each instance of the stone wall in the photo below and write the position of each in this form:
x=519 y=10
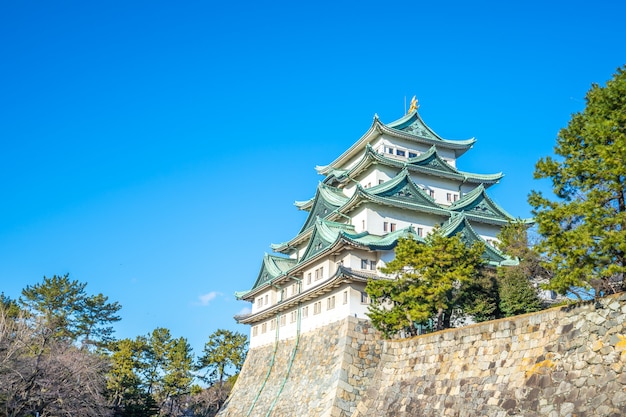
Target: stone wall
x=566 y=361
x=326 y=377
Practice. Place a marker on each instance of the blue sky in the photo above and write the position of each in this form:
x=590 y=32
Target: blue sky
x=154 y=149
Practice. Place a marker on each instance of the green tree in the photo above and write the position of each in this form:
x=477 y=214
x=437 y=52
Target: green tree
x=225 y=350
x=430 y=281
x=69 y=313
x=584 y=230
x=128 y=393
x=517 y=293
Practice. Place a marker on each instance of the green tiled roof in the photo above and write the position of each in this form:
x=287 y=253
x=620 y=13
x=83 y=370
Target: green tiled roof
x=478 y=205
x=411 y=127
x=428 y=163
x=459 y=225
x=327 y=199
x=273 y=266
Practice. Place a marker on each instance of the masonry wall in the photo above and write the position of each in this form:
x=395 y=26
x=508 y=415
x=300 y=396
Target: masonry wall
x=567 y=361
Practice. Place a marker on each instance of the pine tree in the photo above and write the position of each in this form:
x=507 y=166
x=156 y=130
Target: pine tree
x=584 y=230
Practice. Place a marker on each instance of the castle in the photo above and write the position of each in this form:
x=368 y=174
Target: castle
x=398 y=180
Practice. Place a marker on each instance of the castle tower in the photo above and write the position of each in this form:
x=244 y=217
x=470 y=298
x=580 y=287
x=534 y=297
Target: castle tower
x=398 y=180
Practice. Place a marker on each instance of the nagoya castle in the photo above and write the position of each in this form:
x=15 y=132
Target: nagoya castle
x=313 y=351
x=398 y=180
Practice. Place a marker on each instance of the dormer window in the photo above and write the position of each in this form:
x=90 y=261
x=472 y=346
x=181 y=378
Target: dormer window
x=412 y=155
x=400 y=152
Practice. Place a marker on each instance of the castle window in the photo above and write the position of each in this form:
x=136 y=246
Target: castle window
x=264 y=328
x=273 y=324
x=380 y=181
x=305 y=312
x=420 y=231
x=294 y=289
x=412 y=155
x=330 y=303
x=292 y=316
x=319 y=273
x=385 y=226
x=393 y=227
x=455 y=197
x=345 y=297
x=389 y=150
x=448 y=197
x=260 y=302
x=364 y=263
x=255 y=330
x=267 y=299
x=283 y=320
x=365 y=298
x=308 y=278
x=317 y=307
x=373 y=265
x=400 y=152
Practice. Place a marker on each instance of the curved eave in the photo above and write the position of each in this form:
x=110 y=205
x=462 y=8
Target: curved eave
x=361 y=196
x=342 y=276
x=371 y=133
x=304 y=205
x=371 y=157
x=472 y=198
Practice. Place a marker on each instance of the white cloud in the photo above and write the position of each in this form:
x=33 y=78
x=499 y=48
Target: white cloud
x=244 y=311
x=205 y=299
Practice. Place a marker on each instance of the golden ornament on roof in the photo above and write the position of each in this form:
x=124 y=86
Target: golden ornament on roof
x=414 y=106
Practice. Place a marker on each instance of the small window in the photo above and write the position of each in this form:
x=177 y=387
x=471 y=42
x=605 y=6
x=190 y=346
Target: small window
x=365 y=299
x=283 y=320
x=432 y=193
x=255 y=330
x=393 y=227
x=308 y=278
x=317 y=307
x=400 y=152
x=385 y=226
x=267 y=299
x=380 y=181
x=456 y=197
x=264 y=328
x=420 y=231
x=292 y=316
x=273 y=324
x=283 y=294
x=330 y=303
x=294 y=289
x=260 y=302
x=389 y=150
x=412 y=155
x=449 y=197
x=373 y=265
x=345 y=297
x=305 y=312
x=363 y=224
x=364 y=263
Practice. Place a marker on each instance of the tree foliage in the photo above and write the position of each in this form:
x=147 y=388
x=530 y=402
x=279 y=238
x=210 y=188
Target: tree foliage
x=69 y=312
x=430 y=281
x=225 y=350
x=584 y=230
x=518 y=284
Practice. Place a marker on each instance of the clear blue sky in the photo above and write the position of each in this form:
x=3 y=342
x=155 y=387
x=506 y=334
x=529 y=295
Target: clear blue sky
x=154 y=149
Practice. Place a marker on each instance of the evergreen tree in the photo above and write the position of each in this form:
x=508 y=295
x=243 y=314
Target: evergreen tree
x=517 y=293
x=69 y=313
x=430 y=281
x=584 y=230
x=225 y=349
